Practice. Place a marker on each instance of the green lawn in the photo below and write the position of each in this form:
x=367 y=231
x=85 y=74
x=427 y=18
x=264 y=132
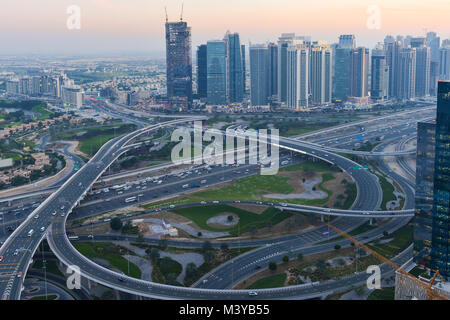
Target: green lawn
x=319 y=166
x=167 y=266
x=201 y=214
x=109 y=252
x=382 y=294
x=401 y=239
x=388 y=192
x=275 y=281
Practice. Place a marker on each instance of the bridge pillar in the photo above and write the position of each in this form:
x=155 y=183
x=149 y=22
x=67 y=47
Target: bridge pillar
x=322 y=218
x=371 y=221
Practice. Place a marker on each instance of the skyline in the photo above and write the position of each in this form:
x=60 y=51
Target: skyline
x=137 y=26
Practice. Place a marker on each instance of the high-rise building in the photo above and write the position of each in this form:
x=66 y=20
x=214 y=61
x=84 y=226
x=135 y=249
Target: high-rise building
x=379 y=84
x=444 y=64
x=72 y=96
x=284 y=42
x=347 y=41
x=202 y=71
x=258 y=75
x=320 y=71
x=434 y=42
x=440 y=251
x=423 y=216
x=244 y=69
x=418 y=42
x=297 y=76
x=217 y=72
x=179 y=64
x=407 y=74
x=342 y=73
x=360 y=73
x=434 y=77
x=392 y=48
x=422 y=70
x=273 y=71
x=12 y=86
x=234 y=73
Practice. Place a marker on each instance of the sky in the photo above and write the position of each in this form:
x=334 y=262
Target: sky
x=137 y=26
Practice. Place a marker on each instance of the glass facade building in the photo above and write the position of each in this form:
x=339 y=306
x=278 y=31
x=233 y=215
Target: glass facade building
x=216 y=72
x=423 y=217
x=234 y=68
x=202 y=80
x=440 y=252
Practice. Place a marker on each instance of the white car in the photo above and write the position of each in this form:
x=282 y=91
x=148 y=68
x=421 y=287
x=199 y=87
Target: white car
x=252 y=293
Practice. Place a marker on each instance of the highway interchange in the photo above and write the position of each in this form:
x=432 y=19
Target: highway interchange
x=366 y=201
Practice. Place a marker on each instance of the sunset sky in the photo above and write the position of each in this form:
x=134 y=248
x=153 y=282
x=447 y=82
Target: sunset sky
x=137 y=26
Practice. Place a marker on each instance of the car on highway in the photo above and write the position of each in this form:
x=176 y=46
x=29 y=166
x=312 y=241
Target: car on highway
x=42 y=229
x=36 y=216
x=203 y=202
x=252 y=293
x=54 y=213
x=1 y=258
x=19 y=274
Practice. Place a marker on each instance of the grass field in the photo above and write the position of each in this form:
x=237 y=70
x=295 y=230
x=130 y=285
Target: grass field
x=109 y=252
x=92 y=139
x=168 y=266
x=401 y=239
x=382 y=294
x=388 y=192
x=247 y=220
x=275 y=281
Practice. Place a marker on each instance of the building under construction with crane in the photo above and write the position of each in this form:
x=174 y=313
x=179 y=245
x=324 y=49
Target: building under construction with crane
x=179 y=63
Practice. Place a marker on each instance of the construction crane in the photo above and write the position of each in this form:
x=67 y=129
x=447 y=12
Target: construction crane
x=431 y=293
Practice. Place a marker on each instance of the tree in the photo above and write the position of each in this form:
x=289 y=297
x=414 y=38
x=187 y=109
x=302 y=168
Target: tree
x=171 y=279
x=199 y=234
x=191 y=270
x=272 y=266
x=116 y=224
x=224 y=246
x=300 y=257
x=337 y=247
x=230 y=218
x=153 y=254
x=209 y=256
x=140 y=237
x=385 y=233
x=285 y=259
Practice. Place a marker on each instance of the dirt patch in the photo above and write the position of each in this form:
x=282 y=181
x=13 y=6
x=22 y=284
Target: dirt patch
x=221 y=221
x=295 y=178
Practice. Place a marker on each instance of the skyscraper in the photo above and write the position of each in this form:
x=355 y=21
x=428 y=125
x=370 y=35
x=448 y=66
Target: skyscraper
x=202 y=71
x=284 y=42
x=440 y=251
x=434 y=42
x=422 y=71
x=320 y=70
x=392 y=48
x=244 y=69
x=297 y=76
x=360 y=73
x=179 y=64
x=258 y=75
x=216 y=72
x=347 y=41
x=379 y=84
x=234 y=75
x=273 y=71
x=407 y=74
x=444 y=64
x=342 y=73
x=423 y=216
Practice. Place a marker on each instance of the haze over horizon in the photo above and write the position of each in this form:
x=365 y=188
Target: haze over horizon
x=112 y=27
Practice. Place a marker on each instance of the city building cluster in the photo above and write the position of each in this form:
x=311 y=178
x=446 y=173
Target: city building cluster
x=57 y=86
x=299 y=73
